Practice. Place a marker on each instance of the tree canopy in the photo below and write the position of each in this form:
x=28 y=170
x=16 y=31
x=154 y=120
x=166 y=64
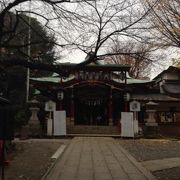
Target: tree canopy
x=87 y=25
x=41 y=49
x=140 y=60
x=17 y=43
x=165 y=20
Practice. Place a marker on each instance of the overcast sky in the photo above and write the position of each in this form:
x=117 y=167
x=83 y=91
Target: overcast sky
x=74 y=55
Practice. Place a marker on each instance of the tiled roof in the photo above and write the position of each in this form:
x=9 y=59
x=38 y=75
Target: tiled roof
x=153 y=97
x=47 y=79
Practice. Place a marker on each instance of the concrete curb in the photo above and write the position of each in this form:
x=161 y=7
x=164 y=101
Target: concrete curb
x=145 y=172
x=161 y=164
x=55 y=156
x=58 y=152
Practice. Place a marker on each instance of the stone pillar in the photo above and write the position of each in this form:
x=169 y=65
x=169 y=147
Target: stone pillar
x=72 y=108
x=110 y=122
x=34 y=123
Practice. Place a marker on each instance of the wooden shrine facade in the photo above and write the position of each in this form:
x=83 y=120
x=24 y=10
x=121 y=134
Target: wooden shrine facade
x=90 y=95
x=93 y=103
x=95 y=95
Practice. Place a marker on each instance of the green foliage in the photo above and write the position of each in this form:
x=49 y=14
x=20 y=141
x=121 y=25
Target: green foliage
x=42 y=49
x=42 y=43
x=22 y=117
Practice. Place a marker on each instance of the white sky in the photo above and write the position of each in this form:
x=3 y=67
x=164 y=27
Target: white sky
x=76 y=56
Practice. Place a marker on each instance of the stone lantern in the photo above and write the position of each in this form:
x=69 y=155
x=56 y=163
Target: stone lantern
x=34 y=123
x=151 y=124
x=151 y=109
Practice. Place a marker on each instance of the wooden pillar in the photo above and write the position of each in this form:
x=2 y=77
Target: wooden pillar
x=59 y=105
x=126 y=106
x=72 y=108
x=110 y=108
x=126 y=95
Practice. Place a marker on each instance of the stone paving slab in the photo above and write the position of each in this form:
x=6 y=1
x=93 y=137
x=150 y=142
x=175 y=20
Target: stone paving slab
x=97 y=158
x=160 y=164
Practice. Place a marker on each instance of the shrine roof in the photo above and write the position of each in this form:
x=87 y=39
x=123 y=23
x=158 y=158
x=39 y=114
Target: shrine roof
x=55 y=78
x=58 y=80
x=138 y=81
x=55 y=75
x=95 y=66
x=169 y=69
x=47 y=79
x=171 y=88
x=37 y=92
x=153 y=97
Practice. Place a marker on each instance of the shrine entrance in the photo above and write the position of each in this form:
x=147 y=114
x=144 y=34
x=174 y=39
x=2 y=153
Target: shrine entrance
x=91 y=105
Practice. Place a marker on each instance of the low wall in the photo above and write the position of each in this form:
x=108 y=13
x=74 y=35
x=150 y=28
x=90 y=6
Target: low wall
x=169 y=129
x=172 y=129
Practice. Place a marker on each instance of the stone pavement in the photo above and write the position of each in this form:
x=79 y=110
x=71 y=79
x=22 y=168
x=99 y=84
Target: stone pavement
x=97 y=158
x=160 y=164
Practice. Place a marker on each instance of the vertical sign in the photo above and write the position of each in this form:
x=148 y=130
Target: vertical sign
x=51 y=107
x=127 y=125
x=59 y=123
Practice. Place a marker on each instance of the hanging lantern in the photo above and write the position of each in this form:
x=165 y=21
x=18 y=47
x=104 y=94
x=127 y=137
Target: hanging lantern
x=60 y=95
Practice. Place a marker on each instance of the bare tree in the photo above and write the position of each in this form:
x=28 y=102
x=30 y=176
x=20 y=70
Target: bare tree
x=165 y=18
x=95 y=25
x=12 y=14
x=141 y=60
x=89 y=25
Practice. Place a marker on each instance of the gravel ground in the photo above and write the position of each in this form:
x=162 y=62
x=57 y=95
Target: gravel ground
x=151 y=149
x=32 y=159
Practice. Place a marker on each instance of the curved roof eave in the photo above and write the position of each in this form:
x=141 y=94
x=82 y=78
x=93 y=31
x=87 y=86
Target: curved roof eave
x=171 y=88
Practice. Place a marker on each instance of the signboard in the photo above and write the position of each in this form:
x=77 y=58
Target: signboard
x=127 y=124
x=99 y=75
x=59 y=123
x=50 y=106
x=135 y=106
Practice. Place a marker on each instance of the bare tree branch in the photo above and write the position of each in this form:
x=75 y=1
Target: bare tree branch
x=165 y=17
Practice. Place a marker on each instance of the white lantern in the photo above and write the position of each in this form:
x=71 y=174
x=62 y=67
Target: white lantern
x=60 y=95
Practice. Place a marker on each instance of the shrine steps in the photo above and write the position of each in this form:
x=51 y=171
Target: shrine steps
x=93 y=130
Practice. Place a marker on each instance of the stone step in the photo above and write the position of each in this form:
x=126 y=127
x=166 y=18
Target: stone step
x=84 y=129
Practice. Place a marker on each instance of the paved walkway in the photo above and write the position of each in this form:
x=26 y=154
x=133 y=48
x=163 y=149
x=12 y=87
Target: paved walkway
x=97 y=158
x=160 y=164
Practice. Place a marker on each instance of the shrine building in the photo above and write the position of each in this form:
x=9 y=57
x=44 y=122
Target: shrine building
x=95 y=95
